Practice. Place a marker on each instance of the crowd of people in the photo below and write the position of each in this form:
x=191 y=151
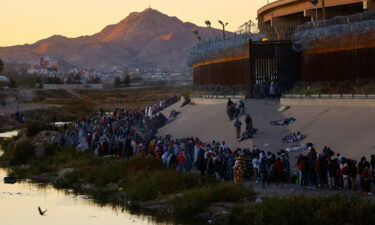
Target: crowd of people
x=326 y=170
x=283 y=122
x=293 y=137
x=125 y=133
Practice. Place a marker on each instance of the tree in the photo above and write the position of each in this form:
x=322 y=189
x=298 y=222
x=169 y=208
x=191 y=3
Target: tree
x=126 y=80
x=1 y=65
x=117 y=83
x=12 y=83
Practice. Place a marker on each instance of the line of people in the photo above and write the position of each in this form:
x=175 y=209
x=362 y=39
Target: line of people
x=335 y=172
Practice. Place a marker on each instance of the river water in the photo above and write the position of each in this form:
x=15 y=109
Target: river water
x=19 y=203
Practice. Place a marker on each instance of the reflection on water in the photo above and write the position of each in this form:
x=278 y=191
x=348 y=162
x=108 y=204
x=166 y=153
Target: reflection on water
x=9 y=134
x=19 y=203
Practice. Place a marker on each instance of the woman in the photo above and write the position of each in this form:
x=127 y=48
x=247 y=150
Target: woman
x=237 y=172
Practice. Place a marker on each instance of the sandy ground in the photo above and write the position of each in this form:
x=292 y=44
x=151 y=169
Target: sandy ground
x=348 y=130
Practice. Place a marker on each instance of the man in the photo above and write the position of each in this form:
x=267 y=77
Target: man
x=237 y=125
x=255 y=163
x=249 y=123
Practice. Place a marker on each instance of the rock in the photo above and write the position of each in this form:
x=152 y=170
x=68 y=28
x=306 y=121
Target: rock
x=113 y=186
x=283 y=108
x=39 y=150
x=64 y=172
x=47 y=137
x=88 y=187
x=43 y=178
x=44 y=138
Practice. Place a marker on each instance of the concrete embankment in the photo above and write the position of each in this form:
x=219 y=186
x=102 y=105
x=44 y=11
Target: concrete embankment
x=346 y=129
x=207 y=119
x=341 y=102
x=346 y=125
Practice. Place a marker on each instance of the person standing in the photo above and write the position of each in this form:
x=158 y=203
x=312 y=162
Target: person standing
x=255 y=163
x=237 y=172
x=272 y=91
x=237 y=125
x=263 y=170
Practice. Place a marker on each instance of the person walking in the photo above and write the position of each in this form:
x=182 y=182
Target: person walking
x=237 y=125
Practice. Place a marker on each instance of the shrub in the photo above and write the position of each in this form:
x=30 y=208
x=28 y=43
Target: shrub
x=336 y=210
x=21 y=153
x=152 y=184
x=34 y=127
x=195 y=201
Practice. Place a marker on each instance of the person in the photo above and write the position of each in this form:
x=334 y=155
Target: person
x=201 y=162
x=237 y=125
x=231 y=111
x=263 y=169
x=273 y=89
x=353 y=174
x=361 y=166
x=237 y=172
x=345 y=175
x=229 y=103
x=279 y=172
x=241 y=107
x=255 y=163
x=301 y=165
x=367 y=177
x=372 y=164
x=249 y=123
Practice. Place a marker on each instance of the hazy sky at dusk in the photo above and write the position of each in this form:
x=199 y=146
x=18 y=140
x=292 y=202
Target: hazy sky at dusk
x=26 y=21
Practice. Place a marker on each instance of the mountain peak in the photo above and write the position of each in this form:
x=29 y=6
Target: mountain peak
x=141 y=40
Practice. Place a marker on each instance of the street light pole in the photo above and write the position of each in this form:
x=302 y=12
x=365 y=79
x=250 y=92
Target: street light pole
x=223 y=24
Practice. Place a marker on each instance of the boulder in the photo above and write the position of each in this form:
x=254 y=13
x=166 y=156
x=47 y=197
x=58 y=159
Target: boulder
x=39 y=150
x=64 y=172
x=43 y=139
x=47 y=137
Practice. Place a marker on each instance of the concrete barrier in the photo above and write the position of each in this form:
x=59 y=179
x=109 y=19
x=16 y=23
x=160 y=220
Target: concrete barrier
x=72 y=86
x=342 y=102
x=208 y=101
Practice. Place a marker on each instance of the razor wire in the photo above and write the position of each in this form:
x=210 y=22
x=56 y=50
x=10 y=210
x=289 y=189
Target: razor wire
x=354 y=29
x=210 y=50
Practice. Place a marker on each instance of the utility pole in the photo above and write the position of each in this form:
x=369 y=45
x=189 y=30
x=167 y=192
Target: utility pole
x=324 y=9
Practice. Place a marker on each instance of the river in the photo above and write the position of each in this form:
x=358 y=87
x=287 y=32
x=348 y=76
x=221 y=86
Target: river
x=19 y=203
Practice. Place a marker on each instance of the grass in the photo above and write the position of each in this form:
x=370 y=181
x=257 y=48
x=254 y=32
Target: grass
x=334 y=210
x=141 y=179
x=196 y=201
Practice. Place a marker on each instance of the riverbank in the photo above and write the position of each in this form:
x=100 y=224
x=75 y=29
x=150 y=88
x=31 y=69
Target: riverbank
x=143 y=184
x=140 y=183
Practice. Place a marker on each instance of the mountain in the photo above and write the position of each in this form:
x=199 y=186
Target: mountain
x=142 y=40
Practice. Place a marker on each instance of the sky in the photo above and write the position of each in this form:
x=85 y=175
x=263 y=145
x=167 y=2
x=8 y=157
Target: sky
x=27 y=21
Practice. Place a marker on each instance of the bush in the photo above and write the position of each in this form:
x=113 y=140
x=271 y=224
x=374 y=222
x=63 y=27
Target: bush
x=21 y=153
x=34 y=127
x=336 y=210
x=152 y=184
x=195 y=201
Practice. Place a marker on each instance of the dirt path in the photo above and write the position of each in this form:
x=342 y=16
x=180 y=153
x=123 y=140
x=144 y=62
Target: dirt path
x=14 y=107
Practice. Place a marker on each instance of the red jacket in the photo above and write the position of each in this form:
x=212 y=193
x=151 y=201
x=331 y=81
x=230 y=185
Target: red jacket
x=279 y=167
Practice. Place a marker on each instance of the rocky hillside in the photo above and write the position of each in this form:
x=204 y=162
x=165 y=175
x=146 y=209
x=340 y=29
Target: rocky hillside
x=141 y=40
